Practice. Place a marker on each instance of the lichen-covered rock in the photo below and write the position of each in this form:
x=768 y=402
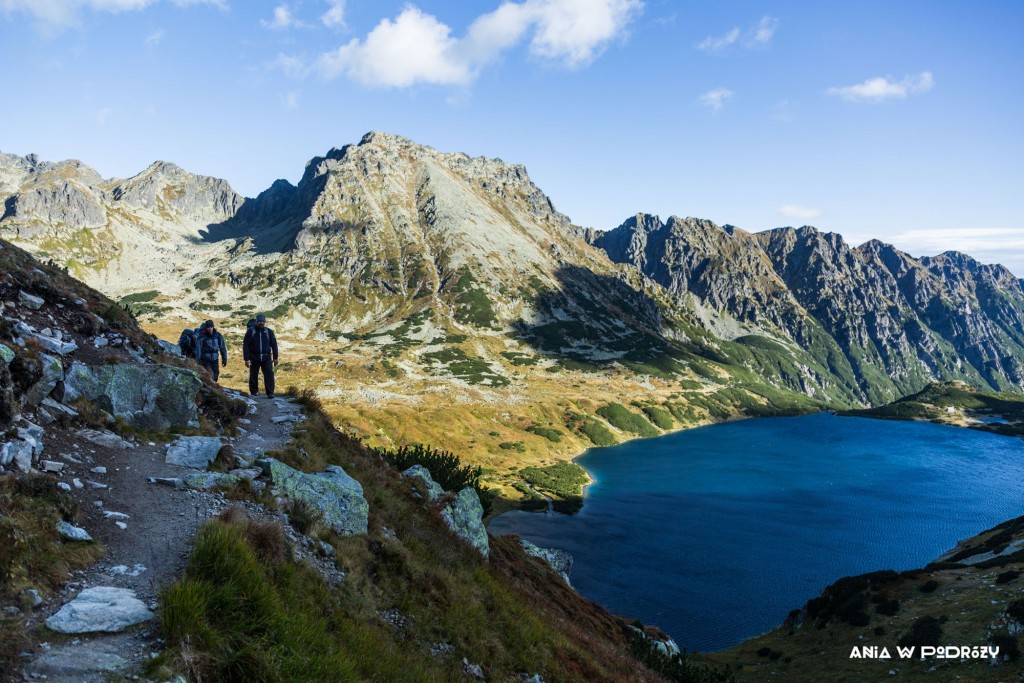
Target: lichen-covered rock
x=434 y=490
x=464 y=515
x=146 y=396
x=193 y=451
x=100 y=609
x=338 y=496
x=6 y=353
x=560 y=560
x=53 y=372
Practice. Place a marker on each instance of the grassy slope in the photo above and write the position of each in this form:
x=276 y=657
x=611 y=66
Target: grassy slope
x=391 y=390
x=244 y=611
x=968 y=602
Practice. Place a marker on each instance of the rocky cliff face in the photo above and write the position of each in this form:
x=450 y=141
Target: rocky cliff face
x=896 y=321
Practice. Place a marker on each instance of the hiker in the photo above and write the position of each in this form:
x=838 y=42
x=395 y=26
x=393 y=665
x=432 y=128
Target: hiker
x=259 y=349
x=187 y=343
x=210 y=345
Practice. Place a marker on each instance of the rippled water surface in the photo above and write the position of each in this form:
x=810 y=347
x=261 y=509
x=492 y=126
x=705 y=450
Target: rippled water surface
x=715 y=534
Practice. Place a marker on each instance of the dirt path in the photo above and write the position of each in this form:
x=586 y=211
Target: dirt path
x=151 y=549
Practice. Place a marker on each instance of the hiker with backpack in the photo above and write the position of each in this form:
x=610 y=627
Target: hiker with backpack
x=187 y=342
x=210 y=345
x=259 y=349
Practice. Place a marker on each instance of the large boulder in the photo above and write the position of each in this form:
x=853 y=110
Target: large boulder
x=338 y=496
x=193 y=451
x=145 y=396
x=53 y=372
x=100 y=609
x=464 y=515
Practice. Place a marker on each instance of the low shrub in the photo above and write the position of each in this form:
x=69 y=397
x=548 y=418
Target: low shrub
x=924 y=631
x=598 y=434
x=622 y=418
x=552 y=435
x=1009 y=647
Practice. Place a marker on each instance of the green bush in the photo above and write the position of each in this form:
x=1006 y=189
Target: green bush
x=598 y=434
x=659 y=416
x=622 y=418
x=512 y=446
x=552 y=435
x=444 y=466
x=563 y=479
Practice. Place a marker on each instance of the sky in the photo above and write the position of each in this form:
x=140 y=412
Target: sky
x=902 y=121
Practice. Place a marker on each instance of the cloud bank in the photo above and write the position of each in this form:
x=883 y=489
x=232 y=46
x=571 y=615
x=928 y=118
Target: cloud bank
x=417 y=48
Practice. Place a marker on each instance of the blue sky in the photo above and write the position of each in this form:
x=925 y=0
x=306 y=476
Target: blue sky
x=896 y=120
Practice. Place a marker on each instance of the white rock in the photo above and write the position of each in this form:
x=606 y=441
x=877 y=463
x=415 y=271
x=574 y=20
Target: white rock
x=71 y=532
x=100 y=609
x=30 y=300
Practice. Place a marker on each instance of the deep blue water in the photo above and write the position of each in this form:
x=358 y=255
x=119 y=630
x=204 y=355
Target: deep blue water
x=715 y=534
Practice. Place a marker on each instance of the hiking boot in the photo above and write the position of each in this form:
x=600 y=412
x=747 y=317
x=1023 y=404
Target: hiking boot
x=270 y=396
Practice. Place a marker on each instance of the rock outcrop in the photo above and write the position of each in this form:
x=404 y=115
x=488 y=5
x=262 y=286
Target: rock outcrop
x=337 y=496
x=560 y=560
x=145 y=396
x=464 y=515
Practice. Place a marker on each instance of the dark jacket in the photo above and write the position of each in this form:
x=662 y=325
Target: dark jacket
x=259 y=345
x=208 y=347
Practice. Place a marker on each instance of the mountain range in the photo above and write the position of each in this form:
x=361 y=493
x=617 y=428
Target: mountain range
x=424 y=272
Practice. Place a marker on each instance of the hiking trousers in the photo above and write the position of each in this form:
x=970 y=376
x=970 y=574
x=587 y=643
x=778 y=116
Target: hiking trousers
x=268 y=376
x=212 y=365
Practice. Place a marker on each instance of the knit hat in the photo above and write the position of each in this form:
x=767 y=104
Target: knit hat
x=261 y=318
x=208 y=323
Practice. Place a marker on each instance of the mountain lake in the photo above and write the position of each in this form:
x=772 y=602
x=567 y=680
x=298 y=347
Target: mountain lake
x=714 y=534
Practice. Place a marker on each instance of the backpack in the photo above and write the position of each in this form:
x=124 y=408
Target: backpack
x=209 y=348
x=187 y=342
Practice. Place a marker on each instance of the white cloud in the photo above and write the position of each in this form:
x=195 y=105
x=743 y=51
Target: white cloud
x=715 y=99
x=103 y=114
x=415 y=48
x=803 y=213
x=335 y=16
x=55 y=15
x=290 y=100
x=293 y=66
x=754 y=37
x=418 y=48
x=154 y=38
x=283 y=19
x=762 y=34
x=875 y=90
x=713 y=44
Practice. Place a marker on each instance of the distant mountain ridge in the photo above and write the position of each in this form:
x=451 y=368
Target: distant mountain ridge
x=385 y=230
